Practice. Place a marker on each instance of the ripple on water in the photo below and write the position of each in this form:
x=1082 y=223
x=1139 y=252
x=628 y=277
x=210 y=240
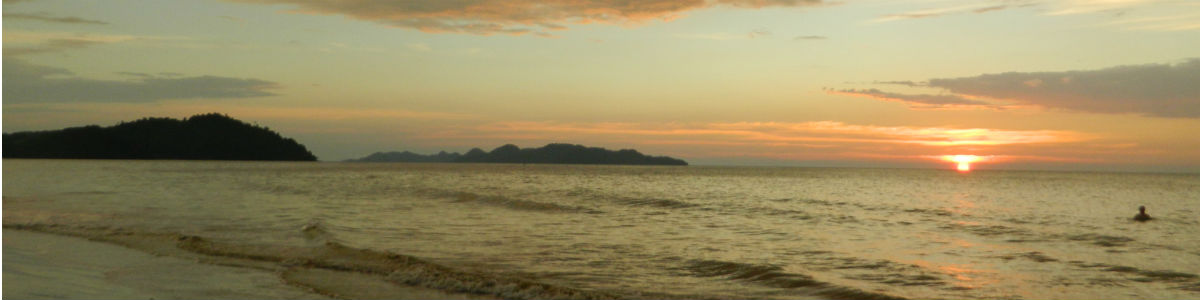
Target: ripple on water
x=774 y=276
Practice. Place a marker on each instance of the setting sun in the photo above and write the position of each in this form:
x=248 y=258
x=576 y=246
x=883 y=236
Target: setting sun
x=964 y=161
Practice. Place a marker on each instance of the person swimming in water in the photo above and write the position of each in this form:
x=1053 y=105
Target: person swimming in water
x=1141 y=216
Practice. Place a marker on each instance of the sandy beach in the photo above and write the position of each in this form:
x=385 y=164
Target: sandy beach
x=50 y=266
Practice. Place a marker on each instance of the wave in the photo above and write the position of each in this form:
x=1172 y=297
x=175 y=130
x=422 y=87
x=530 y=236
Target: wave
x=518 y=204
x=874 y=270
x=297 y=263
x=986 y=230
x=1032 y=255
x=1144 y=275
x=654 y=202
x=1101 y=240
x=594 y=195
x=1172 y=279
x=315 y=232
x=794 y=214
x=773 y=276
x=930 y=212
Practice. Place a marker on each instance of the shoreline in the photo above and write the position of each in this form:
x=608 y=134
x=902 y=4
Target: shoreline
x=45 y=264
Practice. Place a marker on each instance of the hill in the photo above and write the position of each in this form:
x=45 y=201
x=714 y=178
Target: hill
x=201 y=137
x=549 y=154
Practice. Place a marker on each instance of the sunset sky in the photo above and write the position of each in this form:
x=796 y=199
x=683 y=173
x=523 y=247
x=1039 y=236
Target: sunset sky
x=1025 y=84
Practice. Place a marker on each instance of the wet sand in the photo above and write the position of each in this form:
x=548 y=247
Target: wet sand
x=49 y=266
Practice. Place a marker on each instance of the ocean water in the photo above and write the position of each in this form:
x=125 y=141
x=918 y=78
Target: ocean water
x=572 y=231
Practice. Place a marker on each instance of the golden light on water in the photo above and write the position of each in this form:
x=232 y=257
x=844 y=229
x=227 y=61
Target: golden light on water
x=964 y=161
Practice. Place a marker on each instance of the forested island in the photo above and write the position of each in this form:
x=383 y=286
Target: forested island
x=201 y=137
x=550 y=154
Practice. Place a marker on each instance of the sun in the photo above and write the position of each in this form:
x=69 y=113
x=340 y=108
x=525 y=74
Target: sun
x=964 y=161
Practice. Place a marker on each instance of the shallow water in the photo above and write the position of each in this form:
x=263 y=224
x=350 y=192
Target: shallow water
x=549 y=231
x=44 y=266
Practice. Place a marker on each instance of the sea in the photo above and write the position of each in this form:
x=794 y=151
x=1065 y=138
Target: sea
x=531 y=231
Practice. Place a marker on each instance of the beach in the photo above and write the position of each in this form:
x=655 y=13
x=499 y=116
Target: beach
x=48 y=266
x=41 y=265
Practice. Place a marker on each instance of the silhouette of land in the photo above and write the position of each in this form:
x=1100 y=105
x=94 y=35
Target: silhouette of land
x=550 y=154
x=201 y=137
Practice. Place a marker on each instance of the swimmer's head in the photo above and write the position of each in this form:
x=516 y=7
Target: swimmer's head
x=1142 y=209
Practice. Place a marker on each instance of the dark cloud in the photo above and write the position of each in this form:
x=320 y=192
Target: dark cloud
x=486 y=17
x=53 y=45
x=902 y=82
x=51 y=19
x=923 y=101
x=29 y=83
x=1164 y=90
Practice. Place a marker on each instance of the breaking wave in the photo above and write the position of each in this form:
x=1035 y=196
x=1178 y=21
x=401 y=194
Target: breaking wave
x=774 y=276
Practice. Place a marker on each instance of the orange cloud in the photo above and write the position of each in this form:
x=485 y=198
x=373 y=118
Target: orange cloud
x=486 y=17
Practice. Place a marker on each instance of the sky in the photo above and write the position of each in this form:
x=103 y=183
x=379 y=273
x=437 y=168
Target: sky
x=1023 y=84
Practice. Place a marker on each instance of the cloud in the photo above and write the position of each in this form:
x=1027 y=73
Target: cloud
x=810 y=37
x=17 y=43
x=977 y=8
x=1140 y=15
x=989 y=9
x=54 y=45
x=47 y=18
x=908 y=83
x=1163 y=90
x=1160 y=90
x=1146 y=15
x=761 y=32
x=1071 y=7
x=714 y=36
x=29 y=83
x=920 y=101
x=1159 y=23
x=515 y=17
x=753 y=34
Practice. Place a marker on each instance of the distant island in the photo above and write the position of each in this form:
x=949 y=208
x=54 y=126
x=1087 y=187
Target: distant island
x=201 y=137
x=550 y=154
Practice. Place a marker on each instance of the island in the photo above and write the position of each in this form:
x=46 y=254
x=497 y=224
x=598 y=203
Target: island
x=210 y=136
x=549 y=154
